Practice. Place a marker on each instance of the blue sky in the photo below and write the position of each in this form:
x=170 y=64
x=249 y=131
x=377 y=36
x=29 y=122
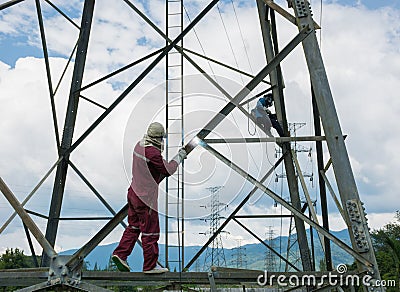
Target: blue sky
x=362 y=61
x=16 y=46
x=370 y=4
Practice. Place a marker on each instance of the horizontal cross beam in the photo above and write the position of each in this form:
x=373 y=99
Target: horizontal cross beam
x=267 y=139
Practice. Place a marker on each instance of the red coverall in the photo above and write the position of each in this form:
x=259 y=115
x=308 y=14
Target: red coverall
x=148 y=170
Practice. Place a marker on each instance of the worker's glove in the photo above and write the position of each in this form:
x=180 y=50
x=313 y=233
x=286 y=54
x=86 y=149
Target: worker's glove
x=181 y=155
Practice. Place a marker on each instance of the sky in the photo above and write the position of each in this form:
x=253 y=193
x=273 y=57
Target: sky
x=360 y=45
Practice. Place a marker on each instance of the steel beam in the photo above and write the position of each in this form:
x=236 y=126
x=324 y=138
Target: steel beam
x=267 y=139
x=221 y=115
x=269 y=39
x=69 y=126
x=285 y=13
x=47 y=247
x=227 y=276
x=93 y=102
x=290 y=47
x=99 y=196
x=65 y=68
x=120 y=70
x=263 y=216
x=322 y=186
x=222 y=64
x=313 y=213
x=33 y=254
x=31 y=194
x=93 y=189
x=63 y=14
x=84 y=218
x=285 y=204
x=219 y=87
x=79 y=255
x=9 y=3
x=256 y=96
x=334 y=137
x=141 y=76
x=48 y=73
x=251 y=85
x=232 y=215
x=265 y=244
x=82 y=286
x=36 y=214
x=334 y=197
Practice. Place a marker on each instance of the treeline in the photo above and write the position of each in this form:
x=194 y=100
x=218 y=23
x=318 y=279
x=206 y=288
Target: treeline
x=387 y=251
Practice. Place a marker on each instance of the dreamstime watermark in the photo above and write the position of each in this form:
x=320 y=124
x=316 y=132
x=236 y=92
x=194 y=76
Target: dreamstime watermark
x=340 y=277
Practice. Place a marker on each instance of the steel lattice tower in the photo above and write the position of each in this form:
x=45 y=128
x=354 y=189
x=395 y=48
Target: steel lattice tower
x=270 y=263
x=66 y=271
x=215 y=255
x=239 y=255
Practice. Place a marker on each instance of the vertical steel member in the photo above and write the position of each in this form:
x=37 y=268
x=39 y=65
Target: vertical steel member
x=359 y=234
x=69 y=127
x=277 y=90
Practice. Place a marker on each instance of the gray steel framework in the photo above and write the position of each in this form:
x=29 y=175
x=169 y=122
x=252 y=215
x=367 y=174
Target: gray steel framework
x=67 y=271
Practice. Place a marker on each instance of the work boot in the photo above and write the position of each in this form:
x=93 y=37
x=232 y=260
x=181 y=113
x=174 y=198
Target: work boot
x=156 y=270
x=121 y=264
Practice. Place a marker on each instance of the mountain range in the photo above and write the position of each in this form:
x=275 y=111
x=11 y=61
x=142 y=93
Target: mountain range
x=250 y=256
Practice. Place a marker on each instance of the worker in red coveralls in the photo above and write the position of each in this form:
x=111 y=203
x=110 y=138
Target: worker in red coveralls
x=148 y=170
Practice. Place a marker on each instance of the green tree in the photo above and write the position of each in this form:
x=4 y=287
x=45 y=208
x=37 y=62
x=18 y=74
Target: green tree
x=387 y=249
x=14 y=259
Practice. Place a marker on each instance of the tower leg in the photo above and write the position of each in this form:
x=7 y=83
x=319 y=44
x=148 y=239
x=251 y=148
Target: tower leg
x=277 y=84
x=69 y=126
x=354 y=213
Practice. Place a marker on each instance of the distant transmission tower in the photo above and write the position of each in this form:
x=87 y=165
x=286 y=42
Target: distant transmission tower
x=215 y=255
x=239 y=254
x=292 y=249
x=270 y=264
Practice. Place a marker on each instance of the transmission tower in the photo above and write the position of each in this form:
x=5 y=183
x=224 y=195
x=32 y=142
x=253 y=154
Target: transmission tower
x=215 y=255
x=292 y=249
x=270 y=263
x=239 y=255
x=67 y=270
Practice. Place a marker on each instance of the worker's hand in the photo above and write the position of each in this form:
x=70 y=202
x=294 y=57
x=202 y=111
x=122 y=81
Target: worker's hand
x=182 y=154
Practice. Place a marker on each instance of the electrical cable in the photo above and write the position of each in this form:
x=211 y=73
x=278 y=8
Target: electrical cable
x=229 y=41
x=237 y=66
x=251 y=133
x=241 y=35
x=201 y=46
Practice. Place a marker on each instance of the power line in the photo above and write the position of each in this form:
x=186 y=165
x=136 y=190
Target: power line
x=229 y=41
x=241 y=35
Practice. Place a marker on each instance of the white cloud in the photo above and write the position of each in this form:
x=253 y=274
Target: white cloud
x=362 y=65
